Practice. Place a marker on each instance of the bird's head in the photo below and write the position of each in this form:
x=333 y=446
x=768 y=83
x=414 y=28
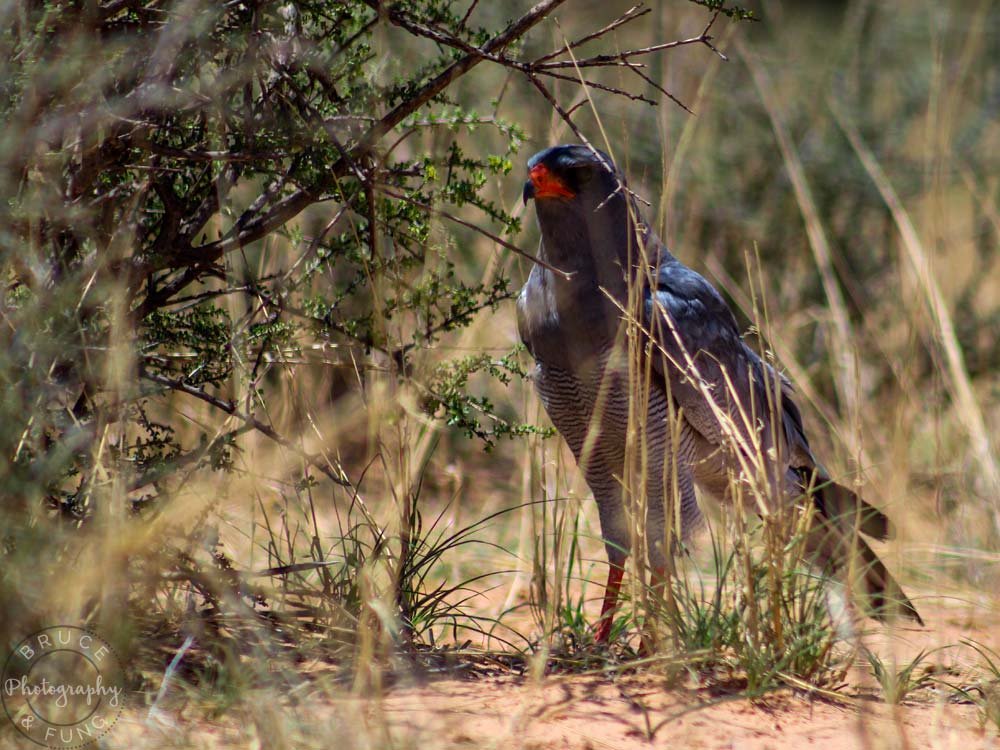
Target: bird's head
x=571 y=175
x=585 y=214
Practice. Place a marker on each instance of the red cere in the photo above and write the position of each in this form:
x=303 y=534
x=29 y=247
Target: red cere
x=548 y=185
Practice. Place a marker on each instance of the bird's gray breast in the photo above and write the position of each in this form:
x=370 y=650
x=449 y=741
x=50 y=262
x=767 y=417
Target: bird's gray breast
x=571 y=331
x=583 y=378
x=565 y=323
x=574 y=332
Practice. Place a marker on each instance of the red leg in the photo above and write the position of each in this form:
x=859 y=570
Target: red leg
x=610 y=603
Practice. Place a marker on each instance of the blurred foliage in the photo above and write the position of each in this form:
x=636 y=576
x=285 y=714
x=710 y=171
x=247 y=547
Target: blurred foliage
x=912 y=85
x=144 y=145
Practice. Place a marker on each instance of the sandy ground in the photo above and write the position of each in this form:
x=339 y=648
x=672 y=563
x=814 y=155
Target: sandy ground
x=606 y=710
x=586 y=712
x=592 y=712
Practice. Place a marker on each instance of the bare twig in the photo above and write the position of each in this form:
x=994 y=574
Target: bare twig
x=403 y=20
x=636 y=11
x=635 y=69
x=620 y=58
x=468 y=14
x=559 y=110
x=196 y=155
x=444 y=79
x=320 y=463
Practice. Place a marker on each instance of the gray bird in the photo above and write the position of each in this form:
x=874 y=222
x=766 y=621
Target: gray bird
x=713 y=413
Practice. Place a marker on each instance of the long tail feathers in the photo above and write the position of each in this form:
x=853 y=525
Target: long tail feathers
x=833 y=542
x=836 y=502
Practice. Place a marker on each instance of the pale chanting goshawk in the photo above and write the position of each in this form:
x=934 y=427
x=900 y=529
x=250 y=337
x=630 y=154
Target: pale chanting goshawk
x=711 y=411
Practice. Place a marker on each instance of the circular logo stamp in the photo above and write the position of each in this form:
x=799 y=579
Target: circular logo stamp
x=63 y=687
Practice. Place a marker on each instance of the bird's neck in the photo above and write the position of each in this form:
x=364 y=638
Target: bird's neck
x=600 y=254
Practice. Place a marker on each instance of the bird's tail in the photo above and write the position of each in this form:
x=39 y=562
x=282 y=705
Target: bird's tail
x=833 y=543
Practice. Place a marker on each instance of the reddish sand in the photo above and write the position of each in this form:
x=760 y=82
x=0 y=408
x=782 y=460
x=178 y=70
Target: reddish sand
x=640 y=710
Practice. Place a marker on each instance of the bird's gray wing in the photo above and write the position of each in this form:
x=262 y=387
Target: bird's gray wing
x=699 y=354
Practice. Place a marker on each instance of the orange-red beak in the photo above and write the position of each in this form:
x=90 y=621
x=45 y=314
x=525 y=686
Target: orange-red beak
x=544 y=184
